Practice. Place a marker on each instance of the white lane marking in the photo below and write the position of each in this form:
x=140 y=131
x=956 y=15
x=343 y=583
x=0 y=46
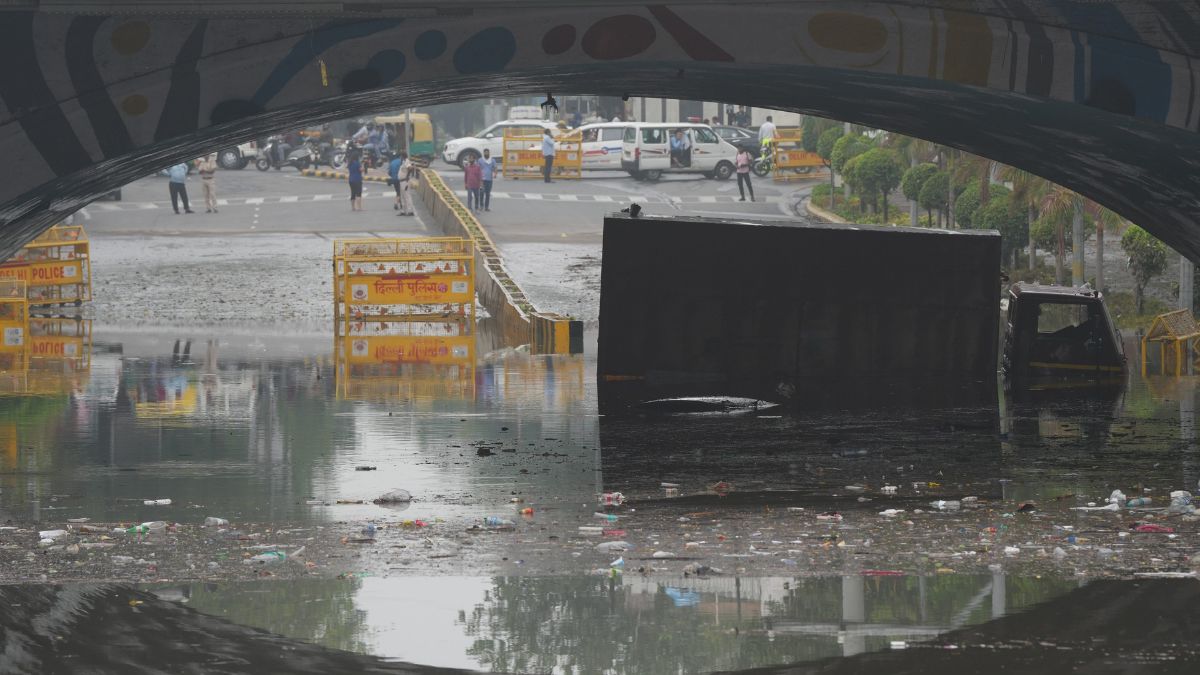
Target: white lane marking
x=288 y=200
x=708 y=200
x=222 y=202
x=533 y=195
x=109 y=207
x=255 y=200
x=601 y=198
x=567 y=198
x=322 y=198
x=147 y=206
x=500 y=195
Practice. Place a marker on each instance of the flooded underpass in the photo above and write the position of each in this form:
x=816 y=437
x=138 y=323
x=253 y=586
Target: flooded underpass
x=542 y=536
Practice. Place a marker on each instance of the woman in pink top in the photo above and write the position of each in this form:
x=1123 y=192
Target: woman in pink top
x=473 y=175
x=743 y=162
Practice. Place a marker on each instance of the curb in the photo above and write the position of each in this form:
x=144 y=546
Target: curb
x=340 y=175
x=818 y=212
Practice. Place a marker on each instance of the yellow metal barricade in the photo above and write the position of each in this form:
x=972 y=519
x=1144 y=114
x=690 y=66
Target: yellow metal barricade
x=399 y=360
x=14 y=317
x=1178 y=338
x=403 y=279
x=791 y=161
x=56 y=266
x=523 y=155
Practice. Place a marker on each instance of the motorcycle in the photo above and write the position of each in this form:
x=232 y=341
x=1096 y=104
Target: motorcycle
x=301 y=158
x=369 y=160
x=764 y=163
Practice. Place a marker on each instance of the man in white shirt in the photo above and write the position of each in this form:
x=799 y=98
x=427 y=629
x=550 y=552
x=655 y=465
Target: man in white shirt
x=547 y=154
x=766 y=133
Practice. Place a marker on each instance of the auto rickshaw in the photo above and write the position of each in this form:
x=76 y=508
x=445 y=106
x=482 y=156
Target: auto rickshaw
x=1056 y=333
x=421 y=145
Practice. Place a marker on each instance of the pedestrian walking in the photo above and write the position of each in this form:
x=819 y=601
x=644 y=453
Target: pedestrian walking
x=473 y=177
x=177 y=176
x=208 y=181
x=548 y=154
x=487 y=167
x=743 y=161
x=354 y=176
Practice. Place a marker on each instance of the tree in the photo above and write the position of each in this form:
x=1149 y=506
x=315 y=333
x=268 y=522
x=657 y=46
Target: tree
x=933 y=193
x=1028 y=192
x=878 y=172
x=825 y=145
x=912 y=182
x=998 y=214
x=968 y=203
x=847 y=148
x=1147 y=259
x=813 y=128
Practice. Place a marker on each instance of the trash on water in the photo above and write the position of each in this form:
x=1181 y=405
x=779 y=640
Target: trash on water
x=619 y=562
x=314 y=502
x=899 y=644
x=721 y=487
x=1111 y=507
x=612 y=499
x=696 y=569
x=855 y=488
x=614 y=533
x=588 y=529
x=215 y=522
x=120 y=559
x=946 y=505
x=888 y=489
x=1151 y=527
x=79 y=520
x=662 y=554
x=606 y=516
x=527 y=511
x=1059 y=553
x=1139 y=501
x=51 y=534
x=610 y=546
x=157 y=502
x=829 y=515
x=498 y=523
x=668 y=485
x=266 y=557
x=891 y=513
x=365 y=467
x=1011 y=550
x=370 y=530
x=1117 y=497
x=395 y=496
x=152 y=527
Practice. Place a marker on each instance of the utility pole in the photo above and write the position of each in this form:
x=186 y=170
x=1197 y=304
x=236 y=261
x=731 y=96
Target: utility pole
x=407 y=129
x=1077 y=276
x=845 y=185
x=1186 y=284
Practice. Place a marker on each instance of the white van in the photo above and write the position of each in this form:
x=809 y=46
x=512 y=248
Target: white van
x=491 y=138
x=646 y=151
x=602 y=145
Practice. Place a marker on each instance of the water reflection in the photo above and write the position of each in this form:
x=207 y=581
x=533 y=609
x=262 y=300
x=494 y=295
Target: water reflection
x=259 y=425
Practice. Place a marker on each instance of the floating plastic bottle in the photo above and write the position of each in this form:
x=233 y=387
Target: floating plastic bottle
x=498 y=523
x=157 y=502
x=215 y=522
x=152 y=527
x=612 y=499
x=1140 y=501
x=267 y=557
x=606 y=516
x=946 y=504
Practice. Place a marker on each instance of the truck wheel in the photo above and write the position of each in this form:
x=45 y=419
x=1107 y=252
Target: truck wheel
x=230 y=158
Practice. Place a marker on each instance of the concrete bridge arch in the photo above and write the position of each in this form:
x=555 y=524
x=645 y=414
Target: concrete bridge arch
x=1100 y=97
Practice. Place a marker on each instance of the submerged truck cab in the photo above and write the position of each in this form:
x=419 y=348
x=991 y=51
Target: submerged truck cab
x=1056 y=332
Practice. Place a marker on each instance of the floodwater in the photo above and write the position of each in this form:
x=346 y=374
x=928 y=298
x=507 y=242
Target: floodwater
x=736 y=564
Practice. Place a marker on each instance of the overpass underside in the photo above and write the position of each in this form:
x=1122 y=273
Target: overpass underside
x=1099 y=97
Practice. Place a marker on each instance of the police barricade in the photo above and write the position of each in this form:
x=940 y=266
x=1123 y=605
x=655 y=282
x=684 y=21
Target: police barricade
x=406 y=360
x=792 y=161
x=55 y=266
x=409 y=279
x=523 y=155
x=14 y=321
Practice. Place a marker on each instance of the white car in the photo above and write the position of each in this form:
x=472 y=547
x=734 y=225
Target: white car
x=491 y=138
x=238 y=156
x=646 y=151
x=602 y=145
